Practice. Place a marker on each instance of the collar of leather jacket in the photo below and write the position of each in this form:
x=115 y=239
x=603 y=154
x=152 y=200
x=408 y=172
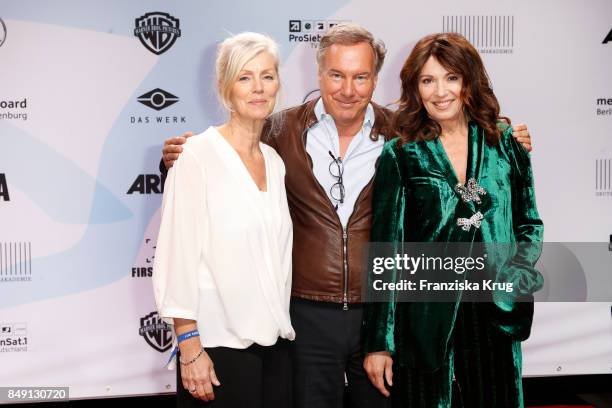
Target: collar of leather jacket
x=382 y=118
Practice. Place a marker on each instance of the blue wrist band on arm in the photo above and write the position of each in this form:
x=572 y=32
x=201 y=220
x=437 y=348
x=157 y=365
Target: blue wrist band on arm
x=188 y=335
x=181 y=338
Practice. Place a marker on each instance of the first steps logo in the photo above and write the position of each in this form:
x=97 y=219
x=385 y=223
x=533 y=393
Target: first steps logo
x=2 y=32
x=146 y=270
x=157 y=31
x=156 y=332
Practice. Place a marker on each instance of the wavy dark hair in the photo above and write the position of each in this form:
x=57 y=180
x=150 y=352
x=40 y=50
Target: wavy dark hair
x=456 y=54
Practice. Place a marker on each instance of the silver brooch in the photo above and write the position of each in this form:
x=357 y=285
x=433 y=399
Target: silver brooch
x=466 y=223
x=471 y=191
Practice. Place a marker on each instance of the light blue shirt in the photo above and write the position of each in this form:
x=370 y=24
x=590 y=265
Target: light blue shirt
x=358 y=163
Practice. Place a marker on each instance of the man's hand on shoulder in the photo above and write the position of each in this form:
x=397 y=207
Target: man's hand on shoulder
x=521 y=134
x=172 y=148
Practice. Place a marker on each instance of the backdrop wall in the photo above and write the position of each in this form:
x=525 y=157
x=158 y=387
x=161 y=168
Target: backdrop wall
x=89 y=91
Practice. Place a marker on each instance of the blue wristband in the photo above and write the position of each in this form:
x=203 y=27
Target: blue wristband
x=188 y=335
x=181 y=338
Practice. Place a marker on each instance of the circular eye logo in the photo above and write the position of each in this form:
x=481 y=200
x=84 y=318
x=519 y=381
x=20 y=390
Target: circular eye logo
x=158 y=99
x=2 y=32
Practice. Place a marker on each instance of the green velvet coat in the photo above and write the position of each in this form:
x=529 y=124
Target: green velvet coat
x=416 y=200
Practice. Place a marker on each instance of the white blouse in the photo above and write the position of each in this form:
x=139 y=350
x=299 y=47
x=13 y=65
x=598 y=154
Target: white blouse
x=223 y=255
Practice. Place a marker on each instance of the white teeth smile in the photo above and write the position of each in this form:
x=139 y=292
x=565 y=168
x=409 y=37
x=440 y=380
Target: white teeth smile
x=442 y=105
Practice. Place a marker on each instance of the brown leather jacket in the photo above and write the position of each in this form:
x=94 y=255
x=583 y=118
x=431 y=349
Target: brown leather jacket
x=327 y=260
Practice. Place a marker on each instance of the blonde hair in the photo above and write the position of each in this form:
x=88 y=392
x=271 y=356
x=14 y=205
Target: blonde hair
x=233 y=54
x=352 y=34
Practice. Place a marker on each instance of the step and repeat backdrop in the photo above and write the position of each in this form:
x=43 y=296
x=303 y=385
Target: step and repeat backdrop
x=90 y=90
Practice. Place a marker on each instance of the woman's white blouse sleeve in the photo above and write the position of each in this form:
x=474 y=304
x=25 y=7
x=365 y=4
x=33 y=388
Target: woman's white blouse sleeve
x=179 y=245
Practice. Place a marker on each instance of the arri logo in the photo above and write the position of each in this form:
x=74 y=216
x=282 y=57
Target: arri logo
x=156 y=332
x=158 y=99
x=2 y=32
x=148 y=184
x=157 y=31
x=4 y=192
x=608 y=38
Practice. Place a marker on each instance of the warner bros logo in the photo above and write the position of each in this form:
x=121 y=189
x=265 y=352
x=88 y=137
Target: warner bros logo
x=156 y=332
x=157 y=31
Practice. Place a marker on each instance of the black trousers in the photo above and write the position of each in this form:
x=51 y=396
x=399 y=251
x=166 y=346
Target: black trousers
x=486 y=364
x=255 y=377
x=328 y=345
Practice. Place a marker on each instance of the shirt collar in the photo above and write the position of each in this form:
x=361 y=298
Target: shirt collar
x=368 y=119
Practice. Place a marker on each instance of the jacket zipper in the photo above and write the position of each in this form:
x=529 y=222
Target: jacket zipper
x=345 y=247
x=345 y=260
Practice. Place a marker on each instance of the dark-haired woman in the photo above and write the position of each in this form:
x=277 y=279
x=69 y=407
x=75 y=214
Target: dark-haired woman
x=455 y=174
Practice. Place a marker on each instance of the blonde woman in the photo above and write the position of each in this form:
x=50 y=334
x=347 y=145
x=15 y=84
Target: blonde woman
x=222 y=271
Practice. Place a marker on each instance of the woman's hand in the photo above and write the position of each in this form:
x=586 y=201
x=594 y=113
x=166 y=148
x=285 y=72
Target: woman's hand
x=199 y=377
x=197 y=369
x=379 y=367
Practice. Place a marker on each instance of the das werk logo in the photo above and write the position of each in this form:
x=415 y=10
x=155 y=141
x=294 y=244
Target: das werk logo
x=157 y=31
x=158 y=99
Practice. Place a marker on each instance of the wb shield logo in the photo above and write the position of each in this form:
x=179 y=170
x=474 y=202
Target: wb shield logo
x=156 y=332
x=157 y=31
